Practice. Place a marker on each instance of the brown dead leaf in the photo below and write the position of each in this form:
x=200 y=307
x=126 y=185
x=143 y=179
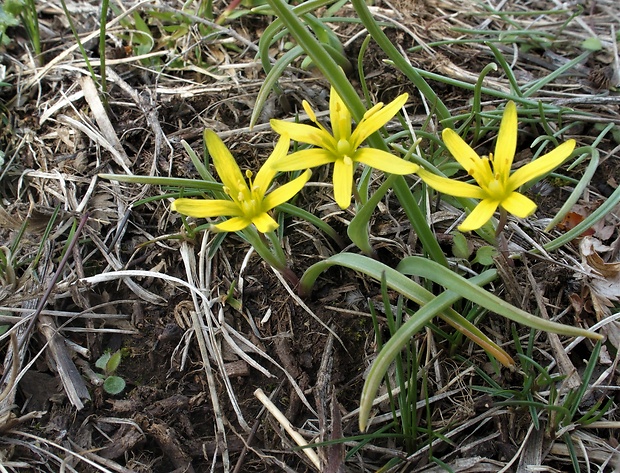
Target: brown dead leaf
x=602 y=284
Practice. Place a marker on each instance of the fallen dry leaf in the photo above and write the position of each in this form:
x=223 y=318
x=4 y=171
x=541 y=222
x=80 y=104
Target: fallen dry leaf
x=602 y=284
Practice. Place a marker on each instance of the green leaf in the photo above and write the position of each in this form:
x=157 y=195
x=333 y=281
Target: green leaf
x=461 y=248
x=114 y=385
x=484 y=255
x=103 y=361
x=592 y=44
x=417 y=266
x=112 y=365
x=411 y=290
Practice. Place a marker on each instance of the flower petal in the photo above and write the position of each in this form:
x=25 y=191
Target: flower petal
x=450 y=186
x=304 y=159
x=519 y=205
x=304 y=133
x=541 y=166
x=375 y=118
x=286 y=192
x=224 y=163
x=264 y=222
x=340 y=117
x=267 y=172
x=384 y=161
x=479 y=216
x=234 y=224
x=467 y=157
x=203 y=208
x=506 y=143
x=343 y=182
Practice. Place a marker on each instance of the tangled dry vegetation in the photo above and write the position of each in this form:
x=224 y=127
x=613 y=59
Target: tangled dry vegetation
x=98 y=265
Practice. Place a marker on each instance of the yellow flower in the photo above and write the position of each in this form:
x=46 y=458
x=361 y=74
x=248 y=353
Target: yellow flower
x=248 y=203
x=343 y=146
x=497 y=187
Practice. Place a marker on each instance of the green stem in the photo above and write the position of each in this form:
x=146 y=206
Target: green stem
x=271 y=253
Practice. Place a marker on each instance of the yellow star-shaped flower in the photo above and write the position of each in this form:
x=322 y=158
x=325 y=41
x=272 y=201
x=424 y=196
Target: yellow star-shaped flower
x=249 y=202
x=342 y=147
x=497 y=187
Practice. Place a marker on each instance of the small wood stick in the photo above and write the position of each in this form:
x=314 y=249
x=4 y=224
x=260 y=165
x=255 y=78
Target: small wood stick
x=284 y=422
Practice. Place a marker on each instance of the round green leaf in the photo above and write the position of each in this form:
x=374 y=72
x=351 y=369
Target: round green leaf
x=114 y=385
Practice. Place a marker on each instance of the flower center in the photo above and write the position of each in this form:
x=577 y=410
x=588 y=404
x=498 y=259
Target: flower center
x=344 y=148
x=248 y=198
x=496 y=189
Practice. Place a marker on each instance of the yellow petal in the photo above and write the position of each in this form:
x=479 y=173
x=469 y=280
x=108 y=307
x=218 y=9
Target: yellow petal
x=519 y=205
x=384 y=161
x=340 y=117
x=479 y=216
x=234 y=224
x=304 y=134
x=286 y=192
x=375 y=118
x=267 y=172
x=304 y=159
x=224 y=163
x=541 y=166
x=450 y=186
x=506 y=143
x=343 y=182
x=467 y=157
x=264 y=222
x=203 y=208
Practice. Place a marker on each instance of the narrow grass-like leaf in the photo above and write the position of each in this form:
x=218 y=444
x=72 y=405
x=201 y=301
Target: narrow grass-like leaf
x=585 y=382
x=165 y=181
x=103 y=20
x=394 y=346
x=575 y=195
x=514 y=85
x=476 y=107
x=411 y=290
x=544 y=80
x=198 y=163
x=398 y=59
x=313 y=219
x=417 y=266
x=271 y=81
x=598 y=214
x=358 y=228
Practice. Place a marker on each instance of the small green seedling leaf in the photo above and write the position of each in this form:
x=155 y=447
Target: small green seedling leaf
x=484 y=255
x=461 y=248
x=112 y=365
x=114 y=385
x=592 y=44
x=102 y=361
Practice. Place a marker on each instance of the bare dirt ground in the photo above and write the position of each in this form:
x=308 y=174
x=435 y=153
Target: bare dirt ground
x=189 y=403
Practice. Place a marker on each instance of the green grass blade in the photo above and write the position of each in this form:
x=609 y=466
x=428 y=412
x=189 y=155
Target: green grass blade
x=165 y=181
x=598 y=214
x=271 y=81
x=398 y=59
x=421 y=267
